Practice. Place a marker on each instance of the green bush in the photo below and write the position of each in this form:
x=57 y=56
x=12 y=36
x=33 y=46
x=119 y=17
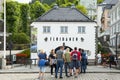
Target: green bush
x=20 y=38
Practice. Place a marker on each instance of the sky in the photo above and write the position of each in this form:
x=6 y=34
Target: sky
x=23 y=1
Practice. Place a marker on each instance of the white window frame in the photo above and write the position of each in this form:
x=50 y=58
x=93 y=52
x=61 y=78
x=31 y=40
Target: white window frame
x=64 y=29
x=81 y=29
x=46 y=29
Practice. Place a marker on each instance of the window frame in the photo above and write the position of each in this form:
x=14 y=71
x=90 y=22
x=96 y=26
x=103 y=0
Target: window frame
x=81 y=29
x=64 y=29
x=46 y=29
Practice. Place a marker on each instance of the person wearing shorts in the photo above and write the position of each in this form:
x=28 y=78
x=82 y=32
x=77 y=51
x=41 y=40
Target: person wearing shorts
x=75 y=63
x=42 y=56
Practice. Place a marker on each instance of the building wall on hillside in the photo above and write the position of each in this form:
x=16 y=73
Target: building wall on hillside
x=115 y=24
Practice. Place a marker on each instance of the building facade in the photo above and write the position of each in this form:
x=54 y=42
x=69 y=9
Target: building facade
x=91 y=6
x=115 y=24
x=66 y=27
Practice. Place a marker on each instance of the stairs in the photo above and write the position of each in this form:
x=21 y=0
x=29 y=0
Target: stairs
x=105 y=44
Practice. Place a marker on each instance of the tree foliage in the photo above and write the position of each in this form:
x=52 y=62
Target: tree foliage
x=82 y=9
x=24 y=18
x=17 y=22
x=20 y=38
x=36 y=10
x=99 y=1
x=12 y=16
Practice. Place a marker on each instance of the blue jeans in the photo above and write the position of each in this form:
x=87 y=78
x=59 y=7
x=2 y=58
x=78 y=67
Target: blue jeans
x=59 y=65
x=83 y=65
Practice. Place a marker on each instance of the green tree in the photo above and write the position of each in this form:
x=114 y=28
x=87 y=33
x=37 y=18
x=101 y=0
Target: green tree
x=36 y=10
x=24 y=18
x=99 y=1
x=82 y=9
x=20 y=38
x=12 y=16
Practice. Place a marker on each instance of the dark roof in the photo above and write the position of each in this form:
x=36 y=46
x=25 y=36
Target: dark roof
x=63 y=15
x=108 y=3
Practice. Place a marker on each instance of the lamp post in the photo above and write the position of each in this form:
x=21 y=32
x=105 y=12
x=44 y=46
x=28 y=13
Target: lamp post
x=116 y=33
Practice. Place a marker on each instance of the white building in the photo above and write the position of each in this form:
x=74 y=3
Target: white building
x=115 y=24
x=64 y=26
x=91 y=6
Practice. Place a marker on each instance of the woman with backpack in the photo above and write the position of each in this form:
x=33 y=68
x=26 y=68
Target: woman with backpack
x=42 y=57
x=52 y=58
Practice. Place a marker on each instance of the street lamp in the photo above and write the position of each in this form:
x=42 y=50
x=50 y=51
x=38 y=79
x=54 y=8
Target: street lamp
x=116 y=33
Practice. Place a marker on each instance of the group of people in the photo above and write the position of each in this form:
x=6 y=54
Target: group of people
x=75 y=61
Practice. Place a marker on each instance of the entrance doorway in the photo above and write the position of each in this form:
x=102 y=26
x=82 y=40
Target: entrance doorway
x=65 y=47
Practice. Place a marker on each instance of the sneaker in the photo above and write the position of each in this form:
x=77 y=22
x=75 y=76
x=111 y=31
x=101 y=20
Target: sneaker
x=61 y=77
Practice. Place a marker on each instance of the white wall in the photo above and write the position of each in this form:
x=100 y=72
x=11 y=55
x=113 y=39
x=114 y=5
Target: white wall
x=89 y=36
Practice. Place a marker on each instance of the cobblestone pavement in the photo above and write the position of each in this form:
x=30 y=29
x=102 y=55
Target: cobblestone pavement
x=87 y=76
x=35 y=69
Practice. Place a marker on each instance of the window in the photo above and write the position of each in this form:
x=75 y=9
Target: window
x=81 y=29
x=46 y=29
x=119 y=12
x=64 y=29
x=116 y=14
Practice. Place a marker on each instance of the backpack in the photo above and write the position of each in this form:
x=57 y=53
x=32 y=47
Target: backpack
x=41 y=62
x=75 y=56
x=84 y=56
